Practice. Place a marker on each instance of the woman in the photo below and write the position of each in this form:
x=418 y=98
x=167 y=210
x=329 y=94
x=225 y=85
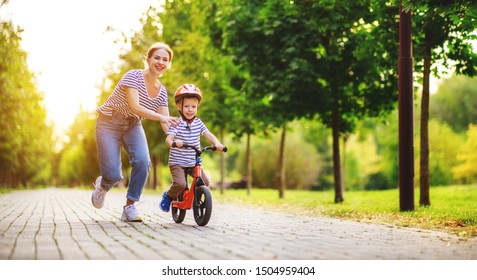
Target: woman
x=138 y=95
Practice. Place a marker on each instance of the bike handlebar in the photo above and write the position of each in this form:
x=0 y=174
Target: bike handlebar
x=199 y=151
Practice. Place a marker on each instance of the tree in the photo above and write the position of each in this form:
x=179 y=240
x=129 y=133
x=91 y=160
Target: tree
x=445 y=145
x=78 y=158
x=25 y=139
x=308 y=58
x=302 y=162
x=254 y=51
x=454 y=103
x=466 y=170
x=442 y=33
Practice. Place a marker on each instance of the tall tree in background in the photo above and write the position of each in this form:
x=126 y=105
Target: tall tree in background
x=25 y=138
x=454 y=103
x=266 y=38
x=78 y=159
x=241 y=121
x=442 y=34
x=309 y=58
x=358 y=72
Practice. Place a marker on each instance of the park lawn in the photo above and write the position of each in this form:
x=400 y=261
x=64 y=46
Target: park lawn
x=453 y=208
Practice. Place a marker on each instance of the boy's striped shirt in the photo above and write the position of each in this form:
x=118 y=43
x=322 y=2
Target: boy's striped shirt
x=189 y=134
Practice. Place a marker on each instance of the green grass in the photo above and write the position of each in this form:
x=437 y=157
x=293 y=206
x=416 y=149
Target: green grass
x=453 y=208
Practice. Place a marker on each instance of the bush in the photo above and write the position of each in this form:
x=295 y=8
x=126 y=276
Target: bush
x=377 y=181
x=302 y=162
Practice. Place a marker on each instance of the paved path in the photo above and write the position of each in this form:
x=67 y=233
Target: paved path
x=62 y=224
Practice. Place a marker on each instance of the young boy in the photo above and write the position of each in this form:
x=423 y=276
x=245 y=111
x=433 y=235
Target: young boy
x=189 y=130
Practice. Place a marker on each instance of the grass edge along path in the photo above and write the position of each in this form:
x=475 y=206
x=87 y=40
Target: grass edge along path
x=453 y=208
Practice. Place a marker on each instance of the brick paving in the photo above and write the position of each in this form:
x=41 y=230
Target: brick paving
x=57 y=224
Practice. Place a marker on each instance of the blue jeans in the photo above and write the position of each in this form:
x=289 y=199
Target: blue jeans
x=111 y=132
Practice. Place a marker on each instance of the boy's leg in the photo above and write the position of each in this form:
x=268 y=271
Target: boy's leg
x=178 y=184
x=178 y=181
x=205 y=177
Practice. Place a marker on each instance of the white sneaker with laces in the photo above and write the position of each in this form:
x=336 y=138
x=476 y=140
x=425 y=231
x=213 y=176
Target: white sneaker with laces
x=130 y=214
x=97 y=198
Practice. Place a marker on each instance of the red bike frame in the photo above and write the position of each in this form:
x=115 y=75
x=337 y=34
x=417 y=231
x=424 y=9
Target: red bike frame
x=201 y=205
x=188 y=194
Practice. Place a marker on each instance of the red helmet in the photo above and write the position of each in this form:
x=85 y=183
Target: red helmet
x=187 y=90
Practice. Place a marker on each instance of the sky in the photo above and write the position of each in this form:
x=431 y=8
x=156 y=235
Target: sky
x=68 y=47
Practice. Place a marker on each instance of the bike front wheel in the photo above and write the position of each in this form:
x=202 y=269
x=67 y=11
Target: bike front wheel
x=178 y=215
x=202 y=206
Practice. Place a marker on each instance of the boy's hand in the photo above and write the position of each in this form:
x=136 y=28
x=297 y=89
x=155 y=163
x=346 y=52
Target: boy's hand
x=219 y=147
x=179 y=143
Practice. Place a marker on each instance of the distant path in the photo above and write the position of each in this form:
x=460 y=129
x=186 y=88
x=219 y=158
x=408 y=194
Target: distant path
x=62 y=224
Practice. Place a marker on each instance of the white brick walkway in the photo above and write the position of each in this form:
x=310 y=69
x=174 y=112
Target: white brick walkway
x=62 y=224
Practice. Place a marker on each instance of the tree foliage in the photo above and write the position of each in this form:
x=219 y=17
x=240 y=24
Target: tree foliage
x=466 y=170
x=303 y=163
x=444 y=33
x=308 y=58
x=78 y=160
x=25 y=138
x=455 y=102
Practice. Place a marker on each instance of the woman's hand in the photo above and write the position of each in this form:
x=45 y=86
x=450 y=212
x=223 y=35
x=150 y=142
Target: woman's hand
x=170 y=121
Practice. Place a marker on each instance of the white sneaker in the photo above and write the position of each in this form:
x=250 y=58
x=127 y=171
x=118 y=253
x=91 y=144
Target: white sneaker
x=97 y=198
x=130 y=214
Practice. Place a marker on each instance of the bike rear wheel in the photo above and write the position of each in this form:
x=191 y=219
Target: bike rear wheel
x=178 y=215
x=202 y=206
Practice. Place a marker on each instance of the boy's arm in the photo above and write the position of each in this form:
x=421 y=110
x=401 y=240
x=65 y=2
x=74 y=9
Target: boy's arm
x=214 y=141
x=170 y=139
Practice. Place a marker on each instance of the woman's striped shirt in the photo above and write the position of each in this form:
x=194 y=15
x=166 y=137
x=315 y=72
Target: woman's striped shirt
x=117 y=100
x=189 y=134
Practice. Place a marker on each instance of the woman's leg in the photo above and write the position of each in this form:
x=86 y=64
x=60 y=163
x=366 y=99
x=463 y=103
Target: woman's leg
x=135 y=143
x=108 y=136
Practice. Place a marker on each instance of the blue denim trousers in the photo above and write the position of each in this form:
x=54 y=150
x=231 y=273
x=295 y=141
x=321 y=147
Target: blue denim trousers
x=111 y=133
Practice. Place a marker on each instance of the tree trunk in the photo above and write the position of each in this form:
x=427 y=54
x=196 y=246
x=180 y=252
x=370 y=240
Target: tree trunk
x=281 y=165
x=336 y=157
x=406 y=118
x=424 y=180
x=153 y=184
x=343 y=162
x=222 y=163
x=249 y=165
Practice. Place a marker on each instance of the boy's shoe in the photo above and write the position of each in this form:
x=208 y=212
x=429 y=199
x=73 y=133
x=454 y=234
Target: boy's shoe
x=165 y=204
x=97 y=198
x=130 y=214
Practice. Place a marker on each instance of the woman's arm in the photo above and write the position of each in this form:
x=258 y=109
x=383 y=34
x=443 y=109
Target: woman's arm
x=132 y=97
x=163 y=110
